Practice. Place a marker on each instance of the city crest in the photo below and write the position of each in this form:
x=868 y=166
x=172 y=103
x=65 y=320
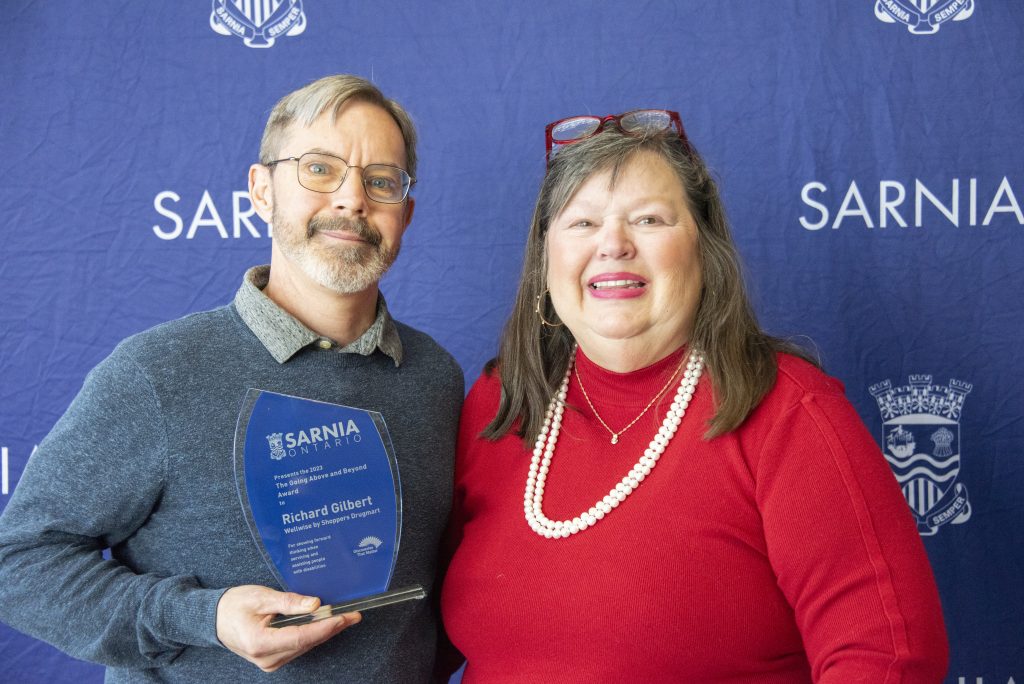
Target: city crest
x=276 y=445
x=921 y=441
x=258 y=22
x=923 y=17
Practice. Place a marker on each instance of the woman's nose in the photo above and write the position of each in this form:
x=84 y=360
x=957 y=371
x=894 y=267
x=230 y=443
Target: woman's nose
x=615 y=241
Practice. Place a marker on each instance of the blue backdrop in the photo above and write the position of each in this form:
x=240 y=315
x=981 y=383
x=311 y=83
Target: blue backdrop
x=870 y=155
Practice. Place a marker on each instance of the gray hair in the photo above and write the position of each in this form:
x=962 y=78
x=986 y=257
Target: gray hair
x=328 y=95
x=533 y=357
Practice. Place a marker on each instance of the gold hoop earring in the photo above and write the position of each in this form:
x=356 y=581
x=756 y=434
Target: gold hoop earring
x=540 y=314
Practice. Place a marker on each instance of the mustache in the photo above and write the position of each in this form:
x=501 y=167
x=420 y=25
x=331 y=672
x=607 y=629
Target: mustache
x=357 y=226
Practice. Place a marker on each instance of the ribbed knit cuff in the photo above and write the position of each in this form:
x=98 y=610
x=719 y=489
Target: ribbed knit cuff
x=189 y=615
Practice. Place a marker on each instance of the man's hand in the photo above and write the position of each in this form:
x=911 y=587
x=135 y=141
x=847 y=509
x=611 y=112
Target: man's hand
x=243 y=625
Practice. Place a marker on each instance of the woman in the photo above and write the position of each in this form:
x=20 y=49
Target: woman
x=751 y=530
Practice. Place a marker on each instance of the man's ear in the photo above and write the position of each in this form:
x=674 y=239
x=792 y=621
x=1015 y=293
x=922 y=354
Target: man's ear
x=261 y=191
x=410 y=204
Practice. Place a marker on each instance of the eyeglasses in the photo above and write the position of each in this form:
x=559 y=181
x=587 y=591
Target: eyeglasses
x=321 y=172
x=638 y=122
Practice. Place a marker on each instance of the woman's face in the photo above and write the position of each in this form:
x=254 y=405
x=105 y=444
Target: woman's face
x=623 y=266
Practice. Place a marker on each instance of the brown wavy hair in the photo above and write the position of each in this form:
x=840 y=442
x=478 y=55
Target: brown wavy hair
x=739 y=356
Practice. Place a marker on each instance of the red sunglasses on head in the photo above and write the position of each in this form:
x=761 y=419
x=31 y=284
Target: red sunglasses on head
x=638 y=122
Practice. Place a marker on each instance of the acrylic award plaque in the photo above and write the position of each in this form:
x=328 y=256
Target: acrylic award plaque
x=319 y=487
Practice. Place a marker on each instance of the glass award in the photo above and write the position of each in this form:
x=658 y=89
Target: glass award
x=320 y=491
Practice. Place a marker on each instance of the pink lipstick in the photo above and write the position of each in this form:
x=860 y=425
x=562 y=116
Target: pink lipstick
x=617 y=286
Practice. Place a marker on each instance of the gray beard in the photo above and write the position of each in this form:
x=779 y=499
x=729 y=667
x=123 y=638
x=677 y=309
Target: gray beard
x=344 y=269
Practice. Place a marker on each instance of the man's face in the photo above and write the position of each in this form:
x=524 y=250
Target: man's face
x=341 y=240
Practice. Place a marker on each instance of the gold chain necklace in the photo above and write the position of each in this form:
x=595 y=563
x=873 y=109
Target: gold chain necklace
x=615 y=435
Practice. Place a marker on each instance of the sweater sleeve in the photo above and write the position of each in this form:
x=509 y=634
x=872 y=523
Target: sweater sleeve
x=91 y=485
x=845 y=550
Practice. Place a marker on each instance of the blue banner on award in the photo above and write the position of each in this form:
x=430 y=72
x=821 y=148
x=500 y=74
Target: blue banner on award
x=319 y=486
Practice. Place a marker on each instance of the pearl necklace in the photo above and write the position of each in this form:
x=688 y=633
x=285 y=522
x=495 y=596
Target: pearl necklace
x=544 y=449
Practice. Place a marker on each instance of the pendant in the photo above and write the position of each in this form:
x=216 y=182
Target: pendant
x=615 y=439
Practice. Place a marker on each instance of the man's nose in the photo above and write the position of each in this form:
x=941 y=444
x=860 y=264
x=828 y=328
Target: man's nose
x=350 y=194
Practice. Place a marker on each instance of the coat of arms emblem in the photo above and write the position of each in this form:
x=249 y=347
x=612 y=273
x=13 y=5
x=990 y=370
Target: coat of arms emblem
x=258 y=22
x=277 y=451
x=922 y=17
x=921 y=442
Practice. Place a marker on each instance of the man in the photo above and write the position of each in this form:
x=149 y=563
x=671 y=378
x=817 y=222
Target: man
x=142 y=463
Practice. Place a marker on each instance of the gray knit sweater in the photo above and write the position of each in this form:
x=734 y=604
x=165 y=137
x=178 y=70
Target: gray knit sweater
x=142 y=463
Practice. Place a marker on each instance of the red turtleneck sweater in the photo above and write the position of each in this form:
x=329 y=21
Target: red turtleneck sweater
x=782 y=552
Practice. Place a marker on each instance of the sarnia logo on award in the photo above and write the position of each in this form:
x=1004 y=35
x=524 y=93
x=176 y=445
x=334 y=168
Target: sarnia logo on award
x=258 y=22
x=313 y=439
x=921 y=441
x=923 y=17
x=276 y=445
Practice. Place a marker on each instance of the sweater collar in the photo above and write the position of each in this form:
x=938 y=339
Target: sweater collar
x=283 y=335
x=634 y=388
